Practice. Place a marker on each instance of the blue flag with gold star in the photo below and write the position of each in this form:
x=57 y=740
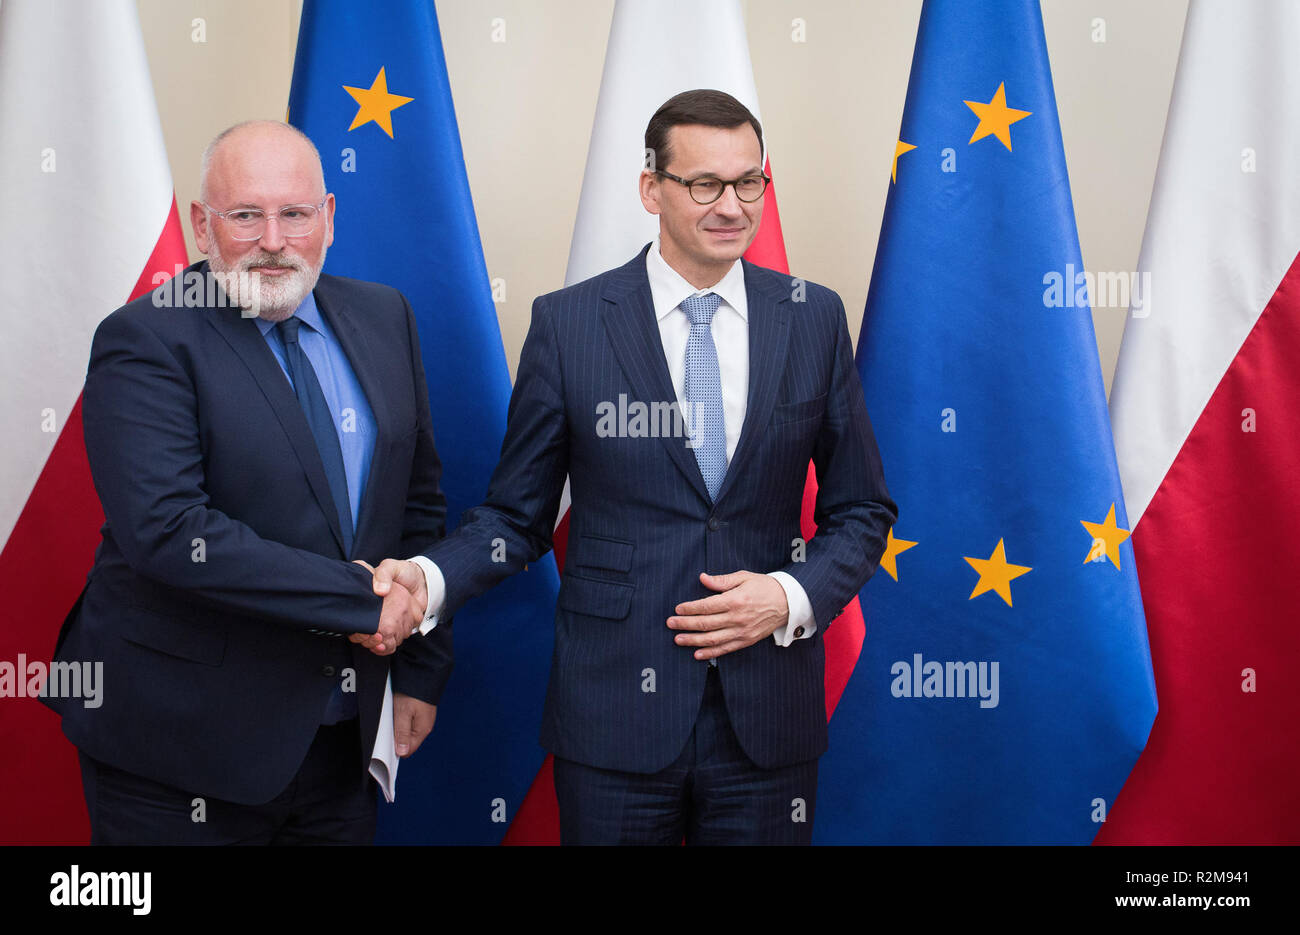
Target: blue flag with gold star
x=1004 y=690
x=370 y=88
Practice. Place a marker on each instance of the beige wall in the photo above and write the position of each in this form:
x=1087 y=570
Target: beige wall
x=831 y=110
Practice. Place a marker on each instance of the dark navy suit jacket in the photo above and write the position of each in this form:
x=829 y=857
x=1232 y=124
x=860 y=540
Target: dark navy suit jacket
x=643 y=527
x=199 y=449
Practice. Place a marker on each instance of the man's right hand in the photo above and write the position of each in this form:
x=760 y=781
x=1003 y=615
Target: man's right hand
x=403 y=608
x=406 y=574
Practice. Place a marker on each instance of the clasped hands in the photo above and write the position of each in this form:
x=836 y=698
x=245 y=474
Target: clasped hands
x=403 y=608
x=747 y=608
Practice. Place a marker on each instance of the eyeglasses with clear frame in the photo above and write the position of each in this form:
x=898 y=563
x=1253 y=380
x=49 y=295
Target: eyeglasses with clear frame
x=708 y=189
x=250 y=223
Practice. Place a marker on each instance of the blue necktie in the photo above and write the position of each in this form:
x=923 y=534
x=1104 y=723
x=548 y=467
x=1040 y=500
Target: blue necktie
x=704 y=391
x=342 y=705
x=312 y=399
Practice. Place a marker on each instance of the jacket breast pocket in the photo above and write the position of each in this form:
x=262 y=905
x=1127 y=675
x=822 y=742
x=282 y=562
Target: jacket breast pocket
x=594 y=597
x=194 y=641
x=798 y=412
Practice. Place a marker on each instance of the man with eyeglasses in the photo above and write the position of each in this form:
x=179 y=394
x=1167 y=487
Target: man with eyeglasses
x=686 y=699
x=251 y=443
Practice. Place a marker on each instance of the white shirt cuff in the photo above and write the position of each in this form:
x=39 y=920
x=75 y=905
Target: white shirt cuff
x=436 y=587
x=801 y=624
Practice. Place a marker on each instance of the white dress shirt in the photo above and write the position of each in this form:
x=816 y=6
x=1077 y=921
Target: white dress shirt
x=731 y=338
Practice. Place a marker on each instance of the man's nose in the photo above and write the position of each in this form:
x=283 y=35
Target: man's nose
x=272 y=240
x=728 y=205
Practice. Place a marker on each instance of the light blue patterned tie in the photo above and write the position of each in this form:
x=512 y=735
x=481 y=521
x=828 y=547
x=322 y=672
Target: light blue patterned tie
x=704 y=391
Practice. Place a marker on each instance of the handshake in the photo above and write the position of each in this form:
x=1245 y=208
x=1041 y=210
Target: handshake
x=401 y=584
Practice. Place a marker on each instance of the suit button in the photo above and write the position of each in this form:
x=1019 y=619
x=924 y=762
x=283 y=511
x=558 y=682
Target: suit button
x=798 y=633
x=328 y=672
x=714 y=525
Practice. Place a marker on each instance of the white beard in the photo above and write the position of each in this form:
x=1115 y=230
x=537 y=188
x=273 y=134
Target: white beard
x=270 y=298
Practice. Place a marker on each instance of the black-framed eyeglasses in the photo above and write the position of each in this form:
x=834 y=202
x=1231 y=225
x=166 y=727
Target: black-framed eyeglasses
x=707 y=190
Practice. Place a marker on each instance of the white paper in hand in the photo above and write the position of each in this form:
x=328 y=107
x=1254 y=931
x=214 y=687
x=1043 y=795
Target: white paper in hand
x=383 y=760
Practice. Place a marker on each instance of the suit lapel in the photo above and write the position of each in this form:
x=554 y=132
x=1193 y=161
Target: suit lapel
x=769 y=335
x=633 y=331
x=365 y=366
x=244 y=338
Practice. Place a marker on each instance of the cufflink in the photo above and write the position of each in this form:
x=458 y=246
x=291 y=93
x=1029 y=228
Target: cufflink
x=798 y=633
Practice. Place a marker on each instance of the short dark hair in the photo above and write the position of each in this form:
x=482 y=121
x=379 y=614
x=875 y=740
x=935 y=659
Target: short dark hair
x=702 y=107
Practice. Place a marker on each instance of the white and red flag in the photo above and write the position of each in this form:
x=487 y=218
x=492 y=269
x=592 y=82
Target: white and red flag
x=1204 y=408
x=659 y=48
x=88 y=219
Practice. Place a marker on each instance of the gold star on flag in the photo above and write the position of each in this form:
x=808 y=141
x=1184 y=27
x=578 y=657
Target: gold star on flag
x=1106 y=532
x=376 y=104
x=893 y=549
x=899 y=148
x=996 y=117
x=996 y=573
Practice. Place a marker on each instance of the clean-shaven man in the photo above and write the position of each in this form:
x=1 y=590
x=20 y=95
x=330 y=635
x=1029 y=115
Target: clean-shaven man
x=686 y=698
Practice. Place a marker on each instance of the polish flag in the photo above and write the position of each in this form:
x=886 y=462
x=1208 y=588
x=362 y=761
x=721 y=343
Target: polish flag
x=89 y=219
x=658 y=48
x=1204 y=410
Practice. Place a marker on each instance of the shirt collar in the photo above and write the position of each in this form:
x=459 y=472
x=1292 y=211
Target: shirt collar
x=307 y=313
x=668 y=288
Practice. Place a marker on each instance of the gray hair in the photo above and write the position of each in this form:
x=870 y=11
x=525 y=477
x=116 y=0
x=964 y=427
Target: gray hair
x=211 y=148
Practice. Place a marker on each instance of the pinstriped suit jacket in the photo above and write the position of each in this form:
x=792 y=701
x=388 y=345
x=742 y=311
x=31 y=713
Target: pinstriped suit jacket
x=622 y=694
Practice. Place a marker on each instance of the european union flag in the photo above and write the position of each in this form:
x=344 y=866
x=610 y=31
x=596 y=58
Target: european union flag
x=1005 y=687
x=370 y=88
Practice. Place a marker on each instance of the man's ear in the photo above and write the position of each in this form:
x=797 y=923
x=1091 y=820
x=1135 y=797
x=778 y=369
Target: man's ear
x=199 y=224
x=649 y=190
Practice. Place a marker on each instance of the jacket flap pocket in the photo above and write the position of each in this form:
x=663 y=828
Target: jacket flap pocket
x=599 y=552
x=595 y=598
x=173 y=636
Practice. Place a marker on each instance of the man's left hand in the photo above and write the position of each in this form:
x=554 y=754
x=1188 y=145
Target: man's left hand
x=412 y=722
x=749 y=607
